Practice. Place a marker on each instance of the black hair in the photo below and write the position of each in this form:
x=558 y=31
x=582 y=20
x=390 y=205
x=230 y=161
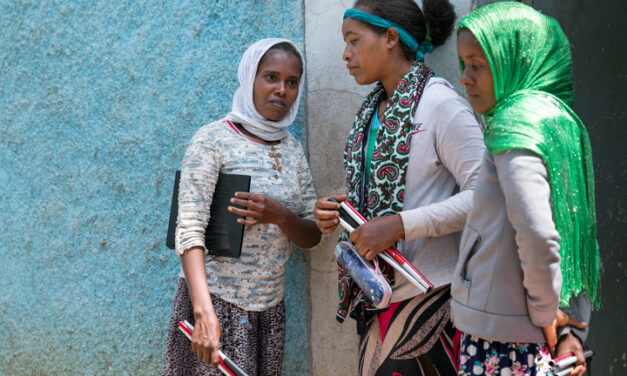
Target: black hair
x=286 y=47
x=407 y=14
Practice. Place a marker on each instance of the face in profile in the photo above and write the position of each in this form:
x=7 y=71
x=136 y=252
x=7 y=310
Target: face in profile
x=276 y=84
x=477 y=75
x=364 y=51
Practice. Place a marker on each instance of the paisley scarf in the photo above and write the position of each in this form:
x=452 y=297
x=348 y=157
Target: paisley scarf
x=384 y=189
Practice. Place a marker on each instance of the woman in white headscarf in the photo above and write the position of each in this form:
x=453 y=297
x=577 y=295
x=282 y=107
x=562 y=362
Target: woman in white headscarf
x=236 y=304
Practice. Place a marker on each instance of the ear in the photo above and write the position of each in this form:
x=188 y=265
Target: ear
x=392 y=38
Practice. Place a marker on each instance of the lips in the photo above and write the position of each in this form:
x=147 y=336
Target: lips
x=277 y=103
x=351 y=68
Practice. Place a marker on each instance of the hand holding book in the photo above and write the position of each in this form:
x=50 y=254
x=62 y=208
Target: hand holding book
x=377 y=235
x=224 y=234
x=257 y=208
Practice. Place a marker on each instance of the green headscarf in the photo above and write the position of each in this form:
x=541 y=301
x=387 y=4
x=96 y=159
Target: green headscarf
x=530 y=59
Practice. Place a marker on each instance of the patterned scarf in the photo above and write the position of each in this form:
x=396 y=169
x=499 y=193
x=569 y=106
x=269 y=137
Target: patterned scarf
x=385 y=187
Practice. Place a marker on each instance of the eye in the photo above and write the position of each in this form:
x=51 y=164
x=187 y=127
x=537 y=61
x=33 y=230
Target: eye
x=353 y=41
x=271 y=77
x=292 y=83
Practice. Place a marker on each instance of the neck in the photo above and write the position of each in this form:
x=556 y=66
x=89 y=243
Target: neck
x=398 y=68
x=255 y=138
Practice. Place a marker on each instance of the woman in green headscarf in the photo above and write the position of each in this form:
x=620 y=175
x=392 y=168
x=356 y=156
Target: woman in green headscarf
x=530 y=241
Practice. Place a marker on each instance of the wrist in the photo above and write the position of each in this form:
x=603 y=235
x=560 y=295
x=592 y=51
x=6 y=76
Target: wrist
x=400 y=228
x=203 y=311
x=284 y=217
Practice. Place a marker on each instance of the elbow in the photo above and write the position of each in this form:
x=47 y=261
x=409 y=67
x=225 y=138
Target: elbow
x=313 y=241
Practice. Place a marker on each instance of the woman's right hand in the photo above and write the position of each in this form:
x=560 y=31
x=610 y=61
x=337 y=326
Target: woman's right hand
x=206 y=337
x=207 y=332
x=326 y=213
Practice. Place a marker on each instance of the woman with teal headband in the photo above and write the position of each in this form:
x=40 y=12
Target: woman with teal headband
x=529 y=244
x=411 y=160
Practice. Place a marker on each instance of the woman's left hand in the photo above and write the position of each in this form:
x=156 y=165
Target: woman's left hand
x=571 y=344
x=377 y=235
x=550 y=331
x=258 y=208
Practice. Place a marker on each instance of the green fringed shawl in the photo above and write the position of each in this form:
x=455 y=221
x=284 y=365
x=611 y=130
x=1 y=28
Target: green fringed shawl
x=530 y=59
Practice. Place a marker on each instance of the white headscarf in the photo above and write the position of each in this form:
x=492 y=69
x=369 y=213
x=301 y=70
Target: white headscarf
x=244 y=111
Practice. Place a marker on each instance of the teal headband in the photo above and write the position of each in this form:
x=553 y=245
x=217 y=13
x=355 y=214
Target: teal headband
x=404 y=36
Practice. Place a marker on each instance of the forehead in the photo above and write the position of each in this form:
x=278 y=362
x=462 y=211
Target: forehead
x=281 y=62
x=467 y=44
x=350 y=25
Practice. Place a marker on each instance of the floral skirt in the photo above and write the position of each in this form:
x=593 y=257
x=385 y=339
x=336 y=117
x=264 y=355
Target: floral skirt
x=482 y=357
x=253 y=340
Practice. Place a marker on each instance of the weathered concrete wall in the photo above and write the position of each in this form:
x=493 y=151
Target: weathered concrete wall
x=333 y=98
x=97 y=103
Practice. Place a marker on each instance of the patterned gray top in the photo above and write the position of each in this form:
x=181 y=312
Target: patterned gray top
x=254 y=281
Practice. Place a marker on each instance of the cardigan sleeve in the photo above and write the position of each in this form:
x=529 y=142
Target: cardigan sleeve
x=459 y=146
x=524 y=181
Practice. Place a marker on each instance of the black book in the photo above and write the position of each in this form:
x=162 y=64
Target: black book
x=223 y=235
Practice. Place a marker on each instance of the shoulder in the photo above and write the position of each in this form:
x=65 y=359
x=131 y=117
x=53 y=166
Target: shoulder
x=218 y=127
x=439 y=95
x=441 y=107
x=218 y=132
x=531 y=107
x=440 y=102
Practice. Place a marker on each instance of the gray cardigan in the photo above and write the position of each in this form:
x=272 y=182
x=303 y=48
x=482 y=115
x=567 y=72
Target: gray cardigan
x=444 y=162
x=507 y=282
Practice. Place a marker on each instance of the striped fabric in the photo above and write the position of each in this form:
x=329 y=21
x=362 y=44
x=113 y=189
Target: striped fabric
x=414 y=337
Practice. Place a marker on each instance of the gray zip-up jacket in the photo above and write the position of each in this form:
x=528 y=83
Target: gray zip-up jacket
x=507 y=282
x=444 y=162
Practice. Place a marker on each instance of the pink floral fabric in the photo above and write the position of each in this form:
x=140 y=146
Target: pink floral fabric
x=482 y=357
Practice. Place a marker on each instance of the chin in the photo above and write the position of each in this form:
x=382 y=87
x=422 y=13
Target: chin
x=477 y=107
x=363 y=80
x=273 y=114
x=274 y=117
x=482 y=109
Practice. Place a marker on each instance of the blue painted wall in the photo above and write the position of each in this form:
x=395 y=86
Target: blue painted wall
x=97 y=103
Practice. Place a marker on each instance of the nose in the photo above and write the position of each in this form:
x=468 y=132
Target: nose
x=280 y=88
x=346 y=55
x=465 y=79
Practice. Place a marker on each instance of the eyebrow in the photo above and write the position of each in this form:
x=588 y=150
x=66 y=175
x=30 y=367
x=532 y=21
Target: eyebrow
x=347 y=33
x=278 y=73
x=474 y=56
